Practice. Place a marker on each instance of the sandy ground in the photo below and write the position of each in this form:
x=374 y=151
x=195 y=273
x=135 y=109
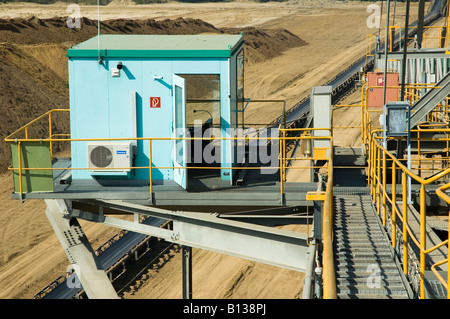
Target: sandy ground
x=30 y=255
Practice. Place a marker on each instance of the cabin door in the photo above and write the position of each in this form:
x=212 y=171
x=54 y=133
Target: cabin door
x=179 y=120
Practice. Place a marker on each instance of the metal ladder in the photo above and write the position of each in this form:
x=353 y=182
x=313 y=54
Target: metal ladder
x=364 y=261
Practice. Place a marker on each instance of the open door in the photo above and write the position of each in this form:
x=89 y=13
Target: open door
x=179 y=120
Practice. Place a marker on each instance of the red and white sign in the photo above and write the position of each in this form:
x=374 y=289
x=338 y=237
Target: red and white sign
x=380 y=81
x=155 y=102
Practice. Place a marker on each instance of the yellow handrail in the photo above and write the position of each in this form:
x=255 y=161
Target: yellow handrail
x=329 y=276
x=62 y=138
x=380 y=196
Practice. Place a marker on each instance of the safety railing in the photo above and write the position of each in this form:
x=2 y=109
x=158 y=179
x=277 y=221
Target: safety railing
x=378 y=166
x=433 y=36
x=24 y=132
x=285 y=137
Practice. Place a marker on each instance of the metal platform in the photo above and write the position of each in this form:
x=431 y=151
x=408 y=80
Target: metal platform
x=349 y=171
x=205 y=189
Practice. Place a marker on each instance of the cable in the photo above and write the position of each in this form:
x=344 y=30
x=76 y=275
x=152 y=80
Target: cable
x=98 y=32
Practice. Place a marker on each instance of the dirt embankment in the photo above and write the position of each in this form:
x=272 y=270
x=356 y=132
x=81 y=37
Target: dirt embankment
x=33 y=63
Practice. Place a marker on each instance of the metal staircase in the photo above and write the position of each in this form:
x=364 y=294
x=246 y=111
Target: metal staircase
x=365 y=265
x=429 y=101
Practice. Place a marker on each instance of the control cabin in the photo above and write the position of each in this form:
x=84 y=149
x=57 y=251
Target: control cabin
x=125 y=89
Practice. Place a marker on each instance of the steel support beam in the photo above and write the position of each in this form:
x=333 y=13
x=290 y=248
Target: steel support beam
x=186 y=253
x=268 y=245
x=82 y=257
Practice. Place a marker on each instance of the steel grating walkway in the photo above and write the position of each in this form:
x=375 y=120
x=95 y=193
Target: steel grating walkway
x=364 y=261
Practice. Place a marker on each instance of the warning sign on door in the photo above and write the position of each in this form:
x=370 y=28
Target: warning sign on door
x=155 y=102
x=380 y=81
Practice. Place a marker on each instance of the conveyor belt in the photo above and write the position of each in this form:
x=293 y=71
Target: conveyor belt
x=344 y=79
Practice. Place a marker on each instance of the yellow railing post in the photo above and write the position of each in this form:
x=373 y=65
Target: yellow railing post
x=373 y=160
x=281 y=164
x=150 y=167
x=371 y=167
x=50 y=129
x=363 y=124
x=418 y=155
x=423 y=239
x=19 y=151
x=405 y=221
x=394 y=205
x=284 y=155
x=384 y=189
x=378 y=180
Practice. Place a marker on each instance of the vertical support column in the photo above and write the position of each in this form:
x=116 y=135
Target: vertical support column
x=318 y=208
x=394 y=205
x=405 y=223
x=321 y=111
x=187 y=272
x=92 y=276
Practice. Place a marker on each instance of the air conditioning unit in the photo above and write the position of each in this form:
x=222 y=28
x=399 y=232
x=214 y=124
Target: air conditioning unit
x=109 y=158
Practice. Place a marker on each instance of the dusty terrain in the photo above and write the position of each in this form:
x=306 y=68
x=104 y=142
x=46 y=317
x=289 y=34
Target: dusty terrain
x=325 y=36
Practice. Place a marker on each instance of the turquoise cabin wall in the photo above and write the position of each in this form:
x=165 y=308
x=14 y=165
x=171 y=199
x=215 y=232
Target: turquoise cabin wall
x=100 y=107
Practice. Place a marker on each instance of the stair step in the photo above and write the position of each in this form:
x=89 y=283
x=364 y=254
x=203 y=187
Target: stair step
x=354 y=223
x=363 y=256
x=369 y=241
x=366 y=265
x=342 y=242
x=394 y=288
x=365 y=274
x=361 y=237
x=370 y=294
x=362 y=252
x=364 y=269
x=392 y=280
x=350 y=211
x=383 y=296
x=359 y=231
x=363 y=260
x=356 y=217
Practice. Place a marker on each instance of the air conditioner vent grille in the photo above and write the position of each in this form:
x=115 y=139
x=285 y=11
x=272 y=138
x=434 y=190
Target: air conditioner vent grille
x=101 y=156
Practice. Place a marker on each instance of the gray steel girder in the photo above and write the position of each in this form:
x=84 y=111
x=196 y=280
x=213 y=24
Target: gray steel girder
x=278 y=247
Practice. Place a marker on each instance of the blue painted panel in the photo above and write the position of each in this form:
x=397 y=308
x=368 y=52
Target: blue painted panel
x=119 y=95
x=89 y=108
x=156 y=122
